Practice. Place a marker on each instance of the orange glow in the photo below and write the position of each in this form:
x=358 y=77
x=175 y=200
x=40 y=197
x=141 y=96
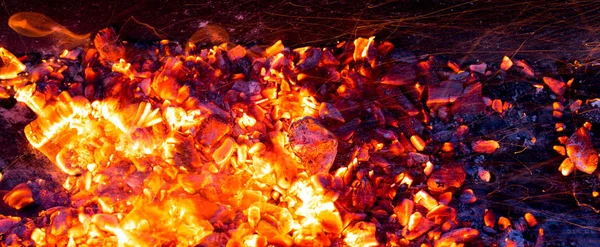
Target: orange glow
x=489 y=219
x=19 y=197
x=361 y=234
x=424 y=199
x=417 y=142
x=10 y=66
x=485 y=146
x=556 y=86
x=447 y=147
x=531 y=221
x=566 y=167
x=506 y=63
x=33 y=24
x=150 y=161
x=559 y=127
x=503 y=223
x=484 y=174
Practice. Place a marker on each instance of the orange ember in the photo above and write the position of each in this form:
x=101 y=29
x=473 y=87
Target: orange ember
x=167 y=145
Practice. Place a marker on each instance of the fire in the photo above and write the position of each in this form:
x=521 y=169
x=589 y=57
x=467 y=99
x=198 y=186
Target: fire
x=182 y=148
x=33 y=24
x=164 y=170
x=10 y=66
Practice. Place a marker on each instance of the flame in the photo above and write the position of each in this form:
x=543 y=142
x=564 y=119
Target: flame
x=124 y=157
x=10 y=66
x=151 y=163
x=36 y=25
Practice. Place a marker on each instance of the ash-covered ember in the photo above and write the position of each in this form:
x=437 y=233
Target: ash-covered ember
x=352 y=145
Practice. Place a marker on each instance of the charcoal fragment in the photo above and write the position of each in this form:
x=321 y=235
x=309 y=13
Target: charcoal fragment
x=211 y=130
x=400 y=74
x=313 y=144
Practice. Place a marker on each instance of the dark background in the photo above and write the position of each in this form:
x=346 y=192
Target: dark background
x=486 y=29
x=558 y=32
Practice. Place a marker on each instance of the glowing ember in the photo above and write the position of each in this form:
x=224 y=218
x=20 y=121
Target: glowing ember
x=485 y=146
x=19 y=197
x=506 y=64
x=10 y=66
x=226 y=146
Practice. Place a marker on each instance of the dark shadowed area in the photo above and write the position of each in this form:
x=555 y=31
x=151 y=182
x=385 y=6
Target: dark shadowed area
x=551 y=35
x=483 y=29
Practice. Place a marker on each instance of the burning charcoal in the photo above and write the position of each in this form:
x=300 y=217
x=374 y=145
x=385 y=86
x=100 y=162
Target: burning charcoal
x=309 y=59
x=576 y=105
x=216 y=239
x=440 y=213
x=224 y=152
x=506 y=64
x=235 y=53
x=108 y=46
x=470 y=101
x=457 y=236
x=417 y=226
x=403 y=211
x=274 y=49
x=47 y=198
x=400 y=74
x=479 y=68
x=331 y=222
x=445 y=198
x=10 y=66
x=557 y=87
x=365 y=49
x=393 y=98
x=560 y=150
x=446 y=92
x=484 y=175
x=426 y=200
x=489 y=218
x=566 y=167
x=485 y=146
x=468 y=197
x=327 y=58
x=539 y=242
x=503 y=223
x=361 y=234
x=6 y=223
x=329 y=111
x=211 y=130
x=313 y=144
x=511 y=238
x=4 y=93
x=446 y=178
x=417 y=142
x=581 y=151
x=363 y=194
x=19 y=197
x=531 y=221
x=416 y=159
x=525 y=68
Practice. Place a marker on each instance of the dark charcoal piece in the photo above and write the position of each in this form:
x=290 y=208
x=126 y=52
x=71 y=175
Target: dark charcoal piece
x=8 y=103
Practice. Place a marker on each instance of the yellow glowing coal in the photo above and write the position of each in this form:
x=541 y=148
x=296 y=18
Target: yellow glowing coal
x=157 y=171
x=361 y=234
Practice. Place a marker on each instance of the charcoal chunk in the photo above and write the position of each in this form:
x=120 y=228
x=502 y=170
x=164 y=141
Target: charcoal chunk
x=313 y=144
x=400 y=75
x=212 y=130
